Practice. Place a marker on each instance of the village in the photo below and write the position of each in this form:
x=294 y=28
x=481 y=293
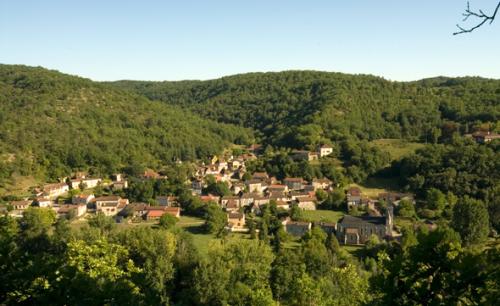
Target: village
x=250 y=192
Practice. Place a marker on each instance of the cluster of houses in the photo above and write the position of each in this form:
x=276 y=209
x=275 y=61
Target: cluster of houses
x=87 y=203
x=260 y=189
x=257 y=190
x=249 y=193
x=108 y=205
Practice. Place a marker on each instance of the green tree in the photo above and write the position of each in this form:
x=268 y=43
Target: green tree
x=436 y=200
x=215 y=219
x=406 y=209
x=296 y=212
x=152 y=251
x=167 y=221
x=470 y=219
x=433 y=271
x=9 y=254
x=321 y=195
x=102 y=222
x=37 y=222
x=335 y=200
x=232 y=275
x=104 y=269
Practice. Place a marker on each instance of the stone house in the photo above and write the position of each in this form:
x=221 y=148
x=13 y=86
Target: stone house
x=306 y=203
x=20 y=205
x=353 y=197
x=110 y=205
x=299 y=155
x=236 y=222
x=82 y=199
x=485 y=137
x=294 y=183
x=296 y=228
x=55 y=190
x=323 y=183
x=254 y=185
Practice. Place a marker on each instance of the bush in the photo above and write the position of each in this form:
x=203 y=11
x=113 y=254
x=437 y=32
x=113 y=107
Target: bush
x=167 y=221
x=427 y=213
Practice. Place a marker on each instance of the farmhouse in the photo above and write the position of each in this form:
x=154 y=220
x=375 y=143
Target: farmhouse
x=325 y=150
x=232 y=205
x=42 y=202
x=283 y=204
x=86 y=182
x=321 y=184
x=138 y=209
x=82 y=199
x=306 y=203
x=119 y=185
x=78 y=210
x=299 y=155
x=20 y=205
x=485 y=137
x=296 y=228
x=294 y=183
x=236 y=222
x=254 y=185
x=277 y=188
x=166 y=200
x=155 y=212
x=261 y=176
x=55 y=190
x=110 y=205
x=353 y=197
x=227 y=199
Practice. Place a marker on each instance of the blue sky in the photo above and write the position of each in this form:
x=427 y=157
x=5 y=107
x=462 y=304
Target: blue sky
x=204 y=39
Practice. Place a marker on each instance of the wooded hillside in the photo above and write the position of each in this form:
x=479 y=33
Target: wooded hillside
x=52 y=123
x=297 y=108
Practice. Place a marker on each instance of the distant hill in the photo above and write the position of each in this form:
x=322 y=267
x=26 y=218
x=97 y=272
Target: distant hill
x=52 y=123
x=297 y=108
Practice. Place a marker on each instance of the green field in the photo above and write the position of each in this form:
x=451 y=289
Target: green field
x=202 y=240
x=322 y=215
x=397 y=148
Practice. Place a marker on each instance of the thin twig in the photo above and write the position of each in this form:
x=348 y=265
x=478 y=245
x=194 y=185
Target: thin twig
x=479 y=14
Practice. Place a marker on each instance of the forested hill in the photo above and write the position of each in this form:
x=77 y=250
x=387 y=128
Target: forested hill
x=51 y=123
x=297 y=108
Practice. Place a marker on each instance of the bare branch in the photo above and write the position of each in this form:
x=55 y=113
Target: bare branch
x=479 y=15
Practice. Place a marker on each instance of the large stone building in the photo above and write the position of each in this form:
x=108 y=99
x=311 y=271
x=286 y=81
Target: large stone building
x=357 y=230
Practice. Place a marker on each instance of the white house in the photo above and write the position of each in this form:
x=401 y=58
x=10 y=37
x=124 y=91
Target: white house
x=325 y=150
x=43 y=202
x=55 y=190
x=306 y=203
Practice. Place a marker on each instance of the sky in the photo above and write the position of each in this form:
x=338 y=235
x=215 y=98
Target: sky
x=205 y=39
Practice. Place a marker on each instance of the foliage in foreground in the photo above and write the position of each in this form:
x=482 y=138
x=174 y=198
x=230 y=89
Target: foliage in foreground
x=49 y=263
